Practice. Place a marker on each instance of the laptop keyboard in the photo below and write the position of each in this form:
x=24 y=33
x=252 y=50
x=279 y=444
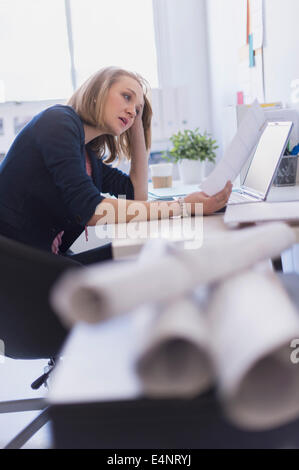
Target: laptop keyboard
x=237 y=198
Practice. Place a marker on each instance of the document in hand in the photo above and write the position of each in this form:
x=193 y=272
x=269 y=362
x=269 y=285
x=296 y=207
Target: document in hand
x=238 y=152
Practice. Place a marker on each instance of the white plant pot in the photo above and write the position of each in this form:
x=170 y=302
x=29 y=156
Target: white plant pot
x=191 y=171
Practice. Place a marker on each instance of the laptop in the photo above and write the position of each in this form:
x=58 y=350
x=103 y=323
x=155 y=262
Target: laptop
x=264 y=164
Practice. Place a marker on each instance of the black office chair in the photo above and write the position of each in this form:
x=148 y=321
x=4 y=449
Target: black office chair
x=29 y=329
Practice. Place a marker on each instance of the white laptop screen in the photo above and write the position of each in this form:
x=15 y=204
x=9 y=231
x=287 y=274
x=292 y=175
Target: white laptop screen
x=267 y=156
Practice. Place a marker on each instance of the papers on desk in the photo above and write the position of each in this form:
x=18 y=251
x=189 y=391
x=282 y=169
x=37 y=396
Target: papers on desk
x=261 y=212
x=202 y=318
x=238 y=152
x=178 y=189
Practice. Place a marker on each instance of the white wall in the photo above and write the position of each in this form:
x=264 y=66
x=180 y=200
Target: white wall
x=182 y=54
x=281 y=53
x=224 y=35
x=225 y=24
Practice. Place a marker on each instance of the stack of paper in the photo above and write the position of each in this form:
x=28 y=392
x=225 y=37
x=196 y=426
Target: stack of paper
x=178 y=189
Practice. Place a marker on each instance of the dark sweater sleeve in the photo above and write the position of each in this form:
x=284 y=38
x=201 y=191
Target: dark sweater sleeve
x=116 y=182
x=60 y=137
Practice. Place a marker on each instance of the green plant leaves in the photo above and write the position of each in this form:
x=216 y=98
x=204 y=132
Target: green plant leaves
x=191 y=145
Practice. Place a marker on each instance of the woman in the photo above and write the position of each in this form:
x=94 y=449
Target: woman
x=53 y=176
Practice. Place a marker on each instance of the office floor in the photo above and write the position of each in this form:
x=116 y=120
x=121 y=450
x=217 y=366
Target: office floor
x=16 y=377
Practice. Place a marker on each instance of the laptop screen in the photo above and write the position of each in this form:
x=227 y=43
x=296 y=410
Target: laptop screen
x=266 y=157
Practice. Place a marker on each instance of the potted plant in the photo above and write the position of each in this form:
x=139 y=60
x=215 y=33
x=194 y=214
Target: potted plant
x=190 y=150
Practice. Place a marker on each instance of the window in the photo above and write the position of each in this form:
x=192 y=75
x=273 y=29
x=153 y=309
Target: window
x=35 y=60
x=35 y=57
x=20 y=122
x=114 y=32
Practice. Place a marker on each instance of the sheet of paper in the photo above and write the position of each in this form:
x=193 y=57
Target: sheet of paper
x=238 y=151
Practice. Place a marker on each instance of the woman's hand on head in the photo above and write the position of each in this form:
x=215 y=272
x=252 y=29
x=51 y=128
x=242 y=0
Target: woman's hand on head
x=210 y=204
x=137 y=124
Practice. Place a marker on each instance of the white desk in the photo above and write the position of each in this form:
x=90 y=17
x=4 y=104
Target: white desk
x=211 y=226
x=124 y=246
x=181 y=231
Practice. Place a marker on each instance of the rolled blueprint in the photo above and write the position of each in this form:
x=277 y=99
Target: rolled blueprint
x=174 y=359
x=105 y=290
x=252 y=322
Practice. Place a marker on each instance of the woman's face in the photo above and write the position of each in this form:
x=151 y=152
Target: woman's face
x=123 y=103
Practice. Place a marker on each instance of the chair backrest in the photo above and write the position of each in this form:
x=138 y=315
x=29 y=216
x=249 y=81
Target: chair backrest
x=29 y=328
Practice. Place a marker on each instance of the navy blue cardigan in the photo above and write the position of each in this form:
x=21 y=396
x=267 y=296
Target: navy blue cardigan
x=44 y=187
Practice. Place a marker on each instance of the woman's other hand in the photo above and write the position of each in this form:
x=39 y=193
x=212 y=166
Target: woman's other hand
x=210 y=204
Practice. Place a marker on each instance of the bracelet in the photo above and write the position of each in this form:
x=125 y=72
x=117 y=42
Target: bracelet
x=183 y=207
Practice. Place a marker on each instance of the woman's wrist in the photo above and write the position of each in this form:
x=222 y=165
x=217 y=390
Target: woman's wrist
x=184 y=207
x=137 y=131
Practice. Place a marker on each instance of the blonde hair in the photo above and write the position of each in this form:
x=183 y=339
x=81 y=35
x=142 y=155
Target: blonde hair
x=89 y=101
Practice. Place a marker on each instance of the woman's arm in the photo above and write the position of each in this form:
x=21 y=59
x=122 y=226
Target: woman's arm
x=139 y=160
x=113 y=211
